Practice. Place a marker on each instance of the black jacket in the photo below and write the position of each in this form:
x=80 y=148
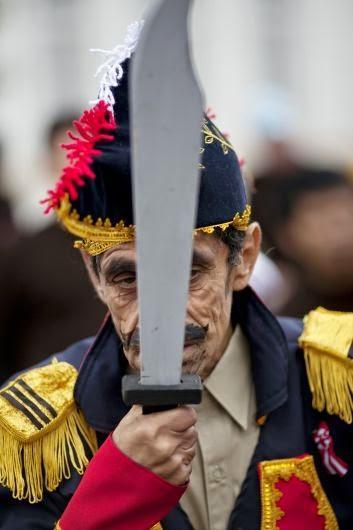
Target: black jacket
x=283 y=397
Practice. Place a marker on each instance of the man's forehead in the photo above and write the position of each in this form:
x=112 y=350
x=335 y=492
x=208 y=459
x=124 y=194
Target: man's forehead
x=205 y=246
x=124 y=251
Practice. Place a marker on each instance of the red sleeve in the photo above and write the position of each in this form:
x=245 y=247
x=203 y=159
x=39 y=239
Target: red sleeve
x=117 y=493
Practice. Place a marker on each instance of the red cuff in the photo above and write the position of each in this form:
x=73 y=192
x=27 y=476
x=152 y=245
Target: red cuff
x=117 y=493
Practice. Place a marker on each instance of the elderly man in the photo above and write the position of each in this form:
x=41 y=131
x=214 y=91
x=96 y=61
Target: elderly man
x=273 y=447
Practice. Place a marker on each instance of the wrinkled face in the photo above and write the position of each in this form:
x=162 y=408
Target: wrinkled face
x=207 y=329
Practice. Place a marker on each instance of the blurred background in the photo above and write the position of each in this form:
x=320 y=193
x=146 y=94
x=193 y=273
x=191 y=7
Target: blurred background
x=278 y=75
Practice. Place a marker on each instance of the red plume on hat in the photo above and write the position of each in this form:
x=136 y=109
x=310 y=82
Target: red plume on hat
x=95 y=125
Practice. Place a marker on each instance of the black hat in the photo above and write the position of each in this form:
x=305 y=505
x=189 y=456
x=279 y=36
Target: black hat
x=93 y=198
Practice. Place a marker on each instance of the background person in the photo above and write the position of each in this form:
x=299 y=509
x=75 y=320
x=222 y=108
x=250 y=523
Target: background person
x=46 y=300
x=307 y=219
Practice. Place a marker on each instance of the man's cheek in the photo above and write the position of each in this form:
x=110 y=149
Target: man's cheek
x=125 y=317
x=210 y=305
x=121 y=301
x=198 y=314
x=201 y=302
x=206 y=315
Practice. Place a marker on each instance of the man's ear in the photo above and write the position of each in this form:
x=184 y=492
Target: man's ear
x=93 y=276
x=248 y=257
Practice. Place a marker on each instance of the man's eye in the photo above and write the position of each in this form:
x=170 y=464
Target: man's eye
x=125 y=281
x=194 y=273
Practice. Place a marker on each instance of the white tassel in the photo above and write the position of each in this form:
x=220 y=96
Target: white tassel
x=111 y=70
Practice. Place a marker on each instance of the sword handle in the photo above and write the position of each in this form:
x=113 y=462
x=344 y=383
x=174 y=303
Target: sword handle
x=156 y=398
x=157 y=408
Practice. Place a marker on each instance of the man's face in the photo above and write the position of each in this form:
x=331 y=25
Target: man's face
x=318 y=237
x=207 y=329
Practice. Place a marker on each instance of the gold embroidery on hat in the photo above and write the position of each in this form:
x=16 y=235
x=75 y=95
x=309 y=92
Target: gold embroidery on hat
x=212 y=133
x=97 y=237
x=240 y=221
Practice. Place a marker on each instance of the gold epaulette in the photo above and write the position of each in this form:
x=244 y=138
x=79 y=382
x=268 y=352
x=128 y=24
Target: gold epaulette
x=43 y=434
x=326 y=341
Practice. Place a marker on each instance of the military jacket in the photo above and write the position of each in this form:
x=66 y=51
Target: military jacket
x=301 y=472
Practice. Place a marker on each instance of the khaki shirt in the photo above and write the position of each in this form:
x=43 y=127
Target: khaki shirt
x=228 y=435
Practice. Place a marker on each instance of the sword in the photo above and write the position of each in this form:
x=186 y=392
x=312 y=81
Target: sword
x=166 y=113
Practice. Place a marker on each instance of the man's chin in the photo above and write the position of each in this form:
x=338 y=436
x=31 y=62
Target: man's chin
x=192 y=360
x=189 y=370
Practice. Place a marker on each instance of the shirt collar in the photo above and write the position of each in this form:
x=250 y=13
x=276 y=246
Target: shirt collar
x=231 y=382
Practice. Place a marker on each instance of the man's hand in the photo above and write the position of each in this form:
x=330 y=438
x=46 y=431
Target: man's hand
x=164 y=442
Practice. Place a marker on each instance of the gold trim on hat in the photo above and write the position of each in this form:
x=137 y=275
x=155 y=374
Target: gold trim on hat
x=96 y=237
x=240 y=221
x=211 y=133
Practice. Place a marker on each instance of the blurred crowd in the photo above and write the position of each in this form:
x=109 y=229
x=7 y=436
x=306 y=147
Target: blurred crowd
x=46 y=299
x=306 y=214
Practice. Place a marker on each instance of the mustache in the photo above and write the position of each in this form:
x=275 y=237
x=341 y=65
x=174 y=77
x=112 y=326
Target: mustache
x=193 y=334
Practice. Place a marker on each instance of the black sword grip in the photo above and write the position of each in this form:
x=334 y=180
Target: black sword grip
x=150 y=409
x=162 y=397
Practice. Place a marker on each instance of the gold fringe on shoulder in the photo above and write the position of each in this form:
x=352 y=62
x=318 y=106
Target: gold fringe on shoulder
x=326 y=341
x=43 y=435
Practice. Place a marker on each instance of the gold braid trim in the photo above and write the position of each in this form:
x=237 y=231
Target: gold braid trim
x=101 y=235
x=326 y=341
x=57 y=526
x=304 y=469
x=43 y=435
x=240 y=221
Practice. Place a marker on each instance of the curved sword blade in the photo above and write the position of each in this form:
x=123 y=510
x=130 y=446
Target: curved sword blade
x=166 y=128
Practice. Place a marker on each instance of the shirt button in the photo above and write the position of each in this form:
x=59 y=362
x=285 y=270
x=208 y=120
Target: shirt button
x=217 y=473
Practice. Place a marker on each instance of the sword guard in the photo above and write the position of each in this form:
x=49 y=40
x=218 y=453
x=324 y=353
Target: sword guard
x=187 y=392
